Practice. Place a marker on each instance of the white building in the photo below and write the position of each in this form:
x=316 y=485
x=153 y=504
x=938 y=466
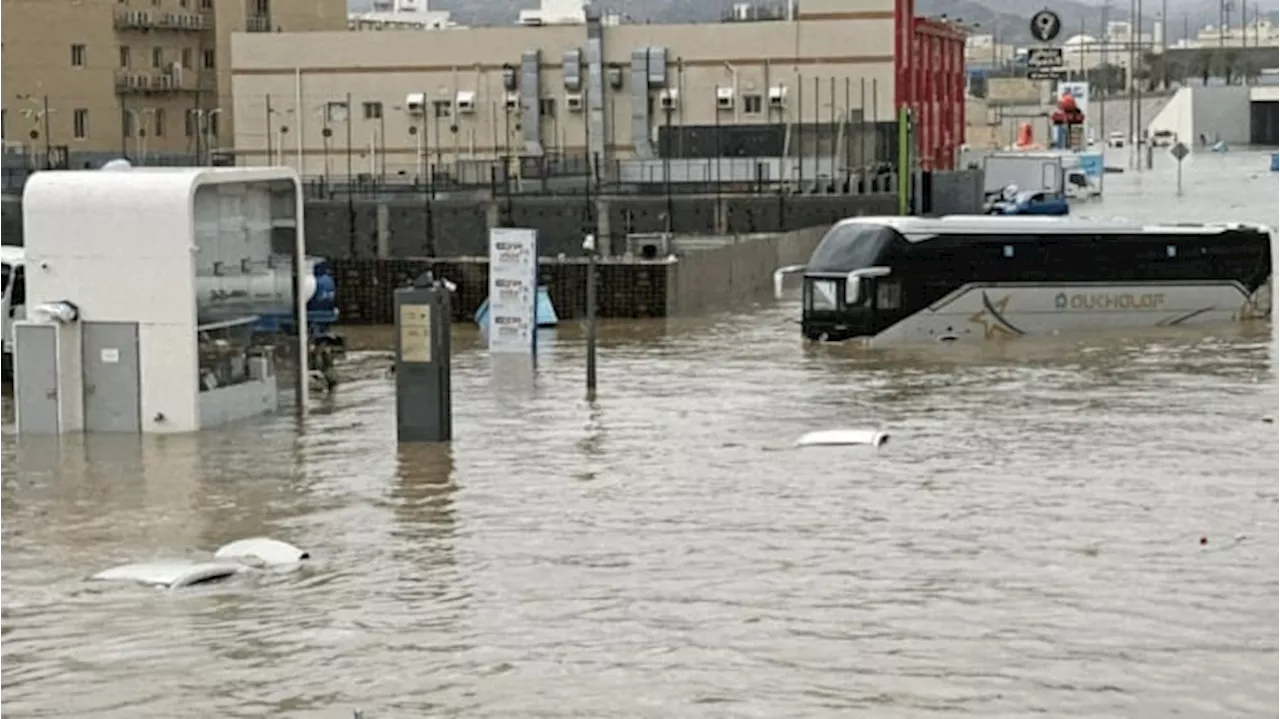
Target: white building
x=400 y=15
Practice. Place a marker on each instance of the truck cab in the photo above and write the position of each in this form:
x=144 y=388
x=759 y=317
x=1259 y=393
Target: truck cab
x=14 y=285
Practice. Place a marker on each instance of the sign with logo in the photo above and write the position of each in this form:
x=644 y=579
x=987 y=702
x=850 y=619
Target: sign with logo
x=1045 y=25
x=1079 y=91
x=1108 y=301
x=1044 y=57
x=513 y=289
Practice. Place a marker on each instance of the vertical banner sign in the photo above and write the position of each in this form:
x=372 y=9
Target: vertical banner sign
x=513 y=289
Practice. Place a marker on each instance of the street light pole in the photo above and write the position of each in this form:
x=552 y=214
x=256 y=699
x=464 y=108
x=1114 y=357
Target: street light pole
x=589 y=247
x=48 y=144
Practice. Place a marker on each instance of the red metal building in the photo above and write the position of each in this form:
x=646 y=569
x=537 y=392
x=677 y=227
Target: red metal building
x=928 y=72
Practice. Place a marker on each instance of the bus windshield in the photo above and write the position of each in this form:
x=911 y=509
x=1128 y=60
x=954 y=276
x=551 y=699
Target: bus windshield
x=848 y=247
x=4 y=275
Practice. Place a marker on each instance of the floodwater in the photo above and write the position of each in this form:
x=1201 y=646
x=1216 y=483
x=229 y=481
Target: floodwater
x=1029 y=541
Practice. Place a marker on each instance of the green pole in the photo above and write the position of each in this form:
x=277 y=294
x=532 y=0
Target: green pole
x=904 y=161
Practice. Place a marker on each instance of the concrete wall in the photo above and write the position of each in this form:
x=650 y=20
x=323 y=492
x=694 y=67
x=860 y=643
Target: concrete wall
x=398 y=229
x=1221 y=113
x=389 y=229
x=737 y=274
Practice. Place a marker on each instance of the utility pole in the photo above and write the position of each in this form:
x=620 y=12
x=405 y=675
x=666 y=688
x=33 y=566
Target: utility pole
x=1222 y=11
x=1137 y=105
x=1104 y=77
x=1131 y=86
x=48 y=143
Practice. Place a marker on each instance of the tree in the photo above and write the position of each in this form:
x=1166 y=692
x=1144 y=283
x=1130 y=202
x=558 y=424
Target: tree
x=1201 y=64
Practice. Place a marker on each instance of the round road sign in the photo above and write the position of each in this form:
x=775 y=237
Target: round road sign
x=1045 y=25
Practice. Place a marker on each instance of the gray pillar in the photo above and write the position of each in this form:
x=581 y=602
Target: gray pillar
x=423 y=398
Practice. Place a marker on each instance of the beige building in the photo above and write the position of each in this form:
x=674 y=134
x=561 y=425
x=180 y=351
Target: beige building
x=483 y=93
x=135 y=76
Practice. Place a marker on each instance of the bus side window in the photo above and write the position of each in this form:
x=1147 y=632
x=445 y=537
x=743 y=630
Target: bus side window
x=888 y=294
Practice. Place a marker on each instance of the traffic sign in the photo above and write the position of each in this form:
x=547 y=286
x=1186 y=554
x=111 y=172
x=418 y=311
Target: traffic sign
x=1044 y=57
x=1179 y=152
x=1045 y=25
x=1049 y=73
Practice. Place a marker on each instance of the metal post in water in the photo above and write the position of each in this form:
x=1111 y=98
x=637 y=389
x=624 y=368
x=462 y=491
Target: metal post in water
x=589 y=246
x=424 y=405
x=1179 y=178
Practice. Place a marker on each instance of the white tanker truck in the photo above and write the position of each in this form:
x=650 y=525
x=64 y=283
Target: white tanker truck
x=264 y=290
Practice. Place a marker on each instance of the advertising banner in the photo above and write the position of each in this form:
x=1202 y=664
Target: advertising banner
x=513 y=289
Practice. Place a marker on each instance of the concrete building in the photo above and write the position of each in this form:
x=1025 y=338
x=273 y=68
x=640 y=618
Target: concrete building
x=1258 y=33
x=1234 y=114
x=397 y=104
x=400 y=15
x=133 y=76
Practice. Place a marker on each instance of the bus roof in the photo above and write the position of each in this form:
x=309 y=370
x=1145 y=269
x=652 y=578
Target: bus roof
x=916 y=229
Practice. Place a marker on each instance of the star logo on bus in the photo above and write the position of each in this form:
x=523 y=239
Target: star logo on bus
x=991 y=317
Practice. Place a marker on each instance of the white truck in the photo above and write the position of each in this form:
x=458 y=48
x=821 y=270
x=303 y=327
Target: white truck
x=13 y=300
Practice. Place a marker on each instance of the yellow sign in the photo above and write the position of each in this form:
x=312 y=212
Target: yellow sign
x=1108 y=302
x=415 y=333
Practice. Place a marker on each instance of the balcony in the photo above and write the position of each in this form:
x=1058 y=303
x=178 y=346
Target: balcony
x=146 y=20
x=160 y=82
x=258 y=23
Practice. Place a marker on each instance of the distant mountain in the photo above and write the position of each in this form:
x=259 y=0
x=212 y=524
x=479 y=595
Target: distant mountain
x=1007 y=19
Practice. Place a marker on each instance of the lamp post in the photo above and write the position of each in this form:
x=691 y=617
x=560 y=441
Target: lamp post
x=139 y=116
x=279 y=133
x=589 y=248
x=211 y=132
x=38 y=115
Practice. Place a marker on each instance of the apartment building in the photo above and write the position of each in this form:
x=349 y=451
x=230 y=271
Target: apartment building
x=398 y=101
x=136 y=77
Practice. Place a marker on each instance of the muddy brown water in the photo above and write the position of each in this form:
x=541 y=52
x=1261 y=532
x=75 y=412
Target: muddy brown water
x=1027 y=542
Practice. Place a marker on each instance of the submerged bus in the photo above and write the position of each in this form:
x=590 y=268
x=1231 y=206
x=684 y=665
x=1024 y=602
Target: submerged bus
x=886 y=280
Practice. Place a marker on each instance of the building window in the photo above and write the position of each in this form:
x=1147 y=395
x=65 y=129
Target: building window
x=80 y=123
x=373 y=111
x=547 y=107
x=752 y=104
x=184 y=3
x=160 y=122
x=335 y=112
x=186 y=57
x=191 y=122
x=261 y=7
x=209 y=60
x=157 y=57
x=126 y=59
x=441 y=108
x=77 y=55
x=211 y=125
x=127 y=123
x=206 y=4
